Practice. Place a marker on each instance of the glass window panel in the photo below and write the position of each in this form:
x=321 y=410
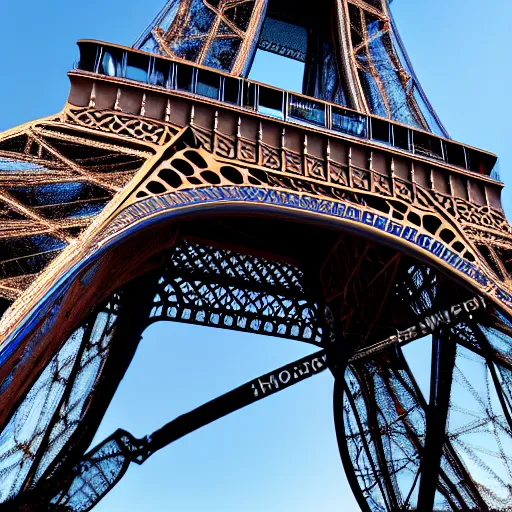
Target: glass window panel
x=479 y=162
x=304 y=109
x=88 y=56
x=270 y=102
x=322 y=76
x=348 y=122
x=111 y=63
x=161 y=73
x=401 y=137
x=380 y=130
x=184 y=77
x=27 y=255
x=137 y=67
x=426 y=145
x=208 y=84
x=231 y=90
x=455 y=154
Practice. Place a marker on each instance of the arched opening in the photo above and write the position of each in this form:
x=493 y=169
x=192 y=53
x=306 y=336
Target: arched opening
x=303 y=281
x=277 y=453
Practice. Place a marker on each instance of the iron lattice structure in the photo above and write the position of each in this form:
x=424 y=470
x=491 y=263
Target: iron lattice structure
x=172 y=188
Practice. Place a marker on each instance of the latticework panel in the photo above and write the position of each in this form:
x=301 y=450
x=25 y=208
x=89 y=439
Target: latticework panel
x=386 y=78
x=395 y=447
x=443 y=225
x=208 y=286
x=448 y=451
x=225 y=34
x=385 y=425
x=54 y=181
x=54 y=408
x=396 y=239
x=214 y=33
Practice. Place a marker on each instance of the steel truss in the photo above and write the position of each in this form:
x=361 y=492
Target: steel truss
x=448 y=452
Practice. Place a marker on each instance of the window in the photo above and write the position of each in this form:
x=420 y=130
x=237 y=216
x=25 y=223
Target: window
x=304 y=109
x=349 y=122
x=208 y=84
x=184 y=77
x=401 y=137
x=270 y=102
x=249 y=95
x=111 y=63
x=161 y=73
x=455 y=154
x=88 y=56
x=137 y=66
x=427 y=145
x=480 y=162
x=381 y=130
x=231 y=90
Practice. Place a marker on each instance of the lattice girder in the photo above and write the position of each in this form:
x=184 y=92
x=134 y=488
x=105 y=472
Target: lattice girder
x=382 y=425
x=372 y=71
x=54 y=183
x=110 y=337
x=207 y=286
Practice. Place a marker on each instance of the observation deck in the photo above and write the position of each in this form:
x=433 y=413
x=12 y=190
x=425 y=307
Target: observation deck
x=308 y=136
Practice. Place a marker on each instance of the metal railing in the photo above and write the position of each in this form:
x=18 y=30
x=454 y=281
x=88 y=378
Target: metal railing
x=114 y=61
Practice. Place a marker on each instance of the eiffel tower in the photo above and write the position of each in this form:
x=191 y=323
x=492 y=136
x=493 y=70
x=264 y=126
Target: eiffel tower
x=171 y=187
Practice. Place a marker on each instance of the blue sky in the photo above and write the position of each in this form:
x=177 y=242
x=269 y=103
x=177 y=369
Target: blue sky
x=279 y=454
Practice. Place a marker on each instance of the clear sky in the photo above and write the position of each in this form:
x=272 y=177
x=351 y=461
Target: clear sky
x=279 y=454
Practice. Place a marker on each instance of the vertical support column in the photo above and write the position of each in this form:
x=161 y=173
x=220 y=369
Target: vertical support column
x=443 y=361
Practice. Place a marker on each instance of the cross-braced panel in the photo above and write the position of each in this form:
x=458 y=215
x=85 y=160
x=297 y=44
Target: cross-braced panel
x=385 y=426
x=209 y=286
x=451 y=450
x=40 y=428
x=54 y=181
x=216 y=33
